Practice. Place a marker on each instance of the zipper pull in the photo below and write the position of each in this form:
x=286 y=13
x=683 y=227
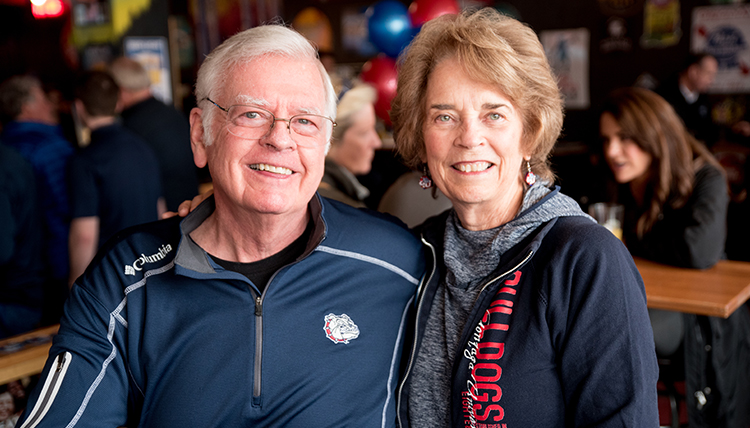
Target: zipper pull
x=60 y=363
x=258 y=306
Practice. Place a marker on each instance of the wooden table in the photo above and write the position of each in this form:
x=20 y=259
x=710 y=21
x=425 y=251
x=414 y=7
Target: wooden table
x=29 y=357
x=717 y=291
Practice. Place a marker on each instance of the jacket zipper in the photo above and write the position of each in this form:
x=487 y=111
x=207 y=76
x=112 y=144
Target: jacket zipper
x=421 y=289
x=416 y=322
x=258 y=345
x=50 y=389
x=258 y=363
x=504 y=274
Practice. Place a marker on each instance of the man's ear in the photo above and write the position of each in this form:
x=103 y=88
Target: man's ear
x=30 y=109
x=197 y=134
x=83 y=114
x=119 y=106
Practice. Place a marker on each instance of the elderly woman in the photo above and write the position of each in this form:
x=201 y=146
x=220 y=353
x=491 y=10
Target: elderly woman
x=352 y=147
x=533 y=314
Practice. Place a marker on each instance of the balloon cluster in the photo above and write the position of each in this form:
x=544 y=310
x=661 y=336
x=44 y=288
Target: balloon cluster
x=391 y=27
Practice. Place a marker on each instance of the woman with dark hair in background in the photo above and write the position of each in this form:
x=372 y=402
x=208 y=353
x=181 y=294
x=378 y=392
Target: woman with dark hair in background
x=673 y=189
x=675 y=196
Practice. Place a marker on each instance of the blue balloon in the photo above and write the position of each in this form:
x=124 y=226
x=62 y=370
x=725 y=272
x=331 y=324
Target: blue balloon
x=390 y=26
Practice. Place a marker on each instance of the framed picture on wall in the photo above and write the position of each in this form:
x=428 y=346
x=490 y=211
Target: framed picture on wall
x=91 y=12
x=153 y=54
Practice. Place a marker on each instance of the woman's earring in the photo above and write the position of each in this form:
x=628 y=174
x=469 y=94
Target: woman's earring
x=530 y=177
x=425 y=182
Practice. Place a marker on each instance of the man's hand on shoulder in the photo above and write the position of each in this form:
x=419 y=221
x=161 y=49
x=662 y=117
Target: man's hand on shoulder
x=186 y=207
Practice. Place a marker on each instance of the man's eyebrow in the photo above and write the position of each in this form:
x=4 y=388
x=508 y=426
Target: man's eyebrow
x=309 y=110
x=261 y=102
x=249 y=100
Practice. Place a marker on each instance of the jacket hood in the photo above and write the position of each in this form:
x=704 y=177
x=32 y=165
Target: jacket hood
x=535 y=210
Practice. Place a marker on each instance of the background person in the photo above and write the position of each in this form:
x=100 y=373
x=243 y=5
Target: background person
x=686 y=92
x=676 y=197
x=8 y=416
x=115 y=180
x=410 y=203
x=164 y=128
x=353 y=146
x=267 y=306
x=21 y=262
x=30 y=125
x=531 y=303
x=674 y=191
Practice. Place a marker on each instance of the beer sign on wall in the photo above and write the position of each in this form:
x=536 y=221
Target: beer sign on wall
x=724 y=32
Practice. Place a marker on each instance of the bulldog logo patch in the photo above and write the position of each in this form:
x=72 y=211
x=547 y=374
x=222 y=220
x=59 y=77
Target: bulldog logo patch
x=340 y=328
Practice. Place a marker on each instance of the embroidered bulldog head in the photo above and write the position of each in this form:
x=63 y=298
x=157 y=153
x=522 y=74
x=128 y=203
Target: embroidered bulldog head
x=340 y=328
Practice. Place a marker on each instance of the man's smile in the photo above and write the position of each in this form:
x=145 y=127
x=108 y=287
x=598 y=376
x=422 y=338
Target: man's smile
x=271 y=168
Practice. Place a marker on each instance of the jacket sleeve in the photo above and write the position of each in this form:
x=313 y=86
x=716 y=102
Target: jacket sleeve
x=694 y=235
x=603 y=337
x=84 y=382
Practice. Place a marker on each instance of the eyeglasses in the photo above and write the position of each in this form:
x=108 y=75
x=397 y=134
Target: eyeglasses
x=254 y=123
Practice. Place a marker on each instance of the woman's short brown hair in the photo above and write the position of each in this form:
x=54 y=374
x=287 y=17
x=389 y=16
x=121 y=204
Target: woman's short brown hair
x=493 y=48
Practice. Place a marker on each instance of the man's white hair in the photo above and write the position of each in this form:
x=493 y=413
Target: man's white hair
x=129 y=74
x=245 y=46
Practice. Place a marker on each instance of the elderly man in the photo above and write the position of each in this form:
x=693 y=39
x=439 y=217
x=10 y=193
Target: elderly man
x=267 y=305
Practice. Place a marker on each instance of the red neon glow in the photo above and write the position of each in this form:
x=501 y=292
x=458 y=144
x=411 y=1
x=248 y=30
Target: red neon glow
x=47 y=9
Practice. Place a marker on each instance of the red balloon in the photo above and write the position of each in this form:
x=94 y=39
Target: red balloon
x=421 y=11
x=380 y=72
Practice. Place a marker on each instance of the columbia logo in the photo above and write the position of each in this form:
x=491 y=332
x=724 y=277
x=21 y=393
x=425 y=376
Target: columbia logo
x=143 y=259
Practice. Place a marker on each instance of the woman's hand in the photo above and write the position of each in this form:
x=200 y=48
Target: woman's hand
x=186 y=207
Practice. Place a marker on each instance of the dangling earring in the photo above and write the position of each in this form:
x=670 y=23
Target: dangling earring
x=530 y=177
x=425 y=182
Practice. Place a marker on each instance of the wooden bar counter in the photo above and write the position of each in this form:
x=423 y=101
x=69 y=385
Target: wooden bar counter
x=717 y=291
x=25 y=355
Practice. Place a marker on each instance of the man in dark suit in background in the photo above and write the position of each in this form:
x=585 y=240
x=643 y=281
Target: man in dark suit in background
x=686 y=93
x=164 y=128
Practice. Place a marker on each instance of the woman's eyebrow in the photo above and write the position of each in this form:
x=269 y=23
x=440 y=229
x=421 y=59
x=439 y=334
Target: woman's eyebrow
x=492 y=106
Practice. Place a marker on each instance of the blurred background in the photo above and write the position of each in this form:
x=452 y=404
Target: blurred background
x=594 y=46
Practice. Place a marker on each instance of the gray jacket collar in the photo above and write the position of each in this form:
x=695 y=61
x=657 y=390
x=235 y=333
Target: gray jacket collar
x=192 y=257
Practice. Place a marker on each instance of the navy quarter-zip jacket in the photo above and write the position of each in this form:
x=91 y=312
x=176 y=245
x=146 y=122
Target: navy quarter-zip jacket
x=155 y=334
